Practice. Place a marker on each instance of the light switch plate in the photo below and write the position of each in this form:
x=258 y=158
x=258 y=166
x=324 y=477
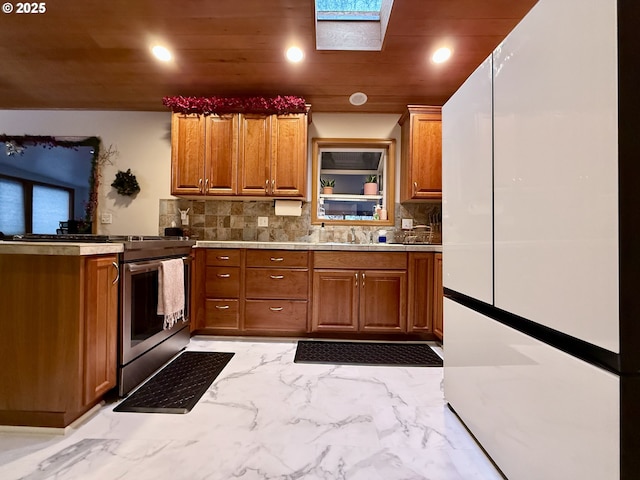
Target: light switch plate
x=407 y=223
x=106 y=218
x=263 y=221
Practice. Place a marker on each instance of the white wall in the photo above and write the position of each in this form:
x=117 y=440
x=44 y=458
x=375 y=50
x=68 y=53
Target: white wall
x=143 y=142
x=356 y=125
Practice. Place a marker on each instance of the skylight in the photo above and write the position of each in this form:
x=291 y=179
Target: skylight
x=351 y=24
x=364 y=10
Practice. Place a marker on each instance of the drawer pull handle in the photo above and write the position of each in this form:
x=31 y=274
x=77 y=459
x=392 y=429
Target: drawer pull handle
x=223 y=307
x=356 y=275
x=277 y=259
x=222 y=257
x=276 y=309
x=223 y=275
x=277 y=277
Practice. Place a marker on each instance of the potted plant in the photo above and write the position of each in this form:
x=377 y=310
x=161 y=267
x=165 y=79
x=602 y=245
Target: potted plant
x=371 y=185
x=327 y=185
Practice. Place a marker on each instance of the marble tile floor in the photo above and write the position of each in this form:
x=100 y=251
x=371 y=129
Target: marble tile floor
x=266 y=417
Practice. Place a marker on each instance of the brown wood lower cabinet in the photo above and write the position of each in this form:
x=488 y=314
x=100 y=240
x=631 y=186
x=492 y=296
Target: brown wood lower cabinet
x=438 y=326
x=276 y=291
x=57 y=338
x=368 y=298
x=420 y=307
x=299 y=292
x=252 y=292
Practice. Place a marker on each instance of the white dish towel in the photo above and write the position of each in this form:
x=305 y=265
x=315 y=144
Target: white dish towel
x=171 y=291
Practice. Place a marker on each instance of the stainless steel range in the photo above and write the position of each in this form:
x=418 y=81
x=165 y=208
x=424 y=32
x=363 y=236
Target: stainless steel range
x=144 y=345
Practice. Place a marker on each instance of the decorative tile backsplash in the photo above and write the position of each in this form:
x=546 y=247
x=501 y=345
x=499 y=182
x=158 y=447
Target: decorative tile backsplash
x=238 y=220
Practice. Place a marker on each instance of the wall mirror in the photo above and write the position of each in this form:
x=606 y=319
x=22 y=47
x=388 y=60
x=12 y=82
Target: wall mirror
x=48 y=184
x=353 y=181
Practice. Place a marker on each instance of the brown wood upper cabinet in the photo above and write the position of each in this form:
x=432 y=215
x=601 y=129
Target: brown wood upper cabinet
x=239 y=155
x=421 y=157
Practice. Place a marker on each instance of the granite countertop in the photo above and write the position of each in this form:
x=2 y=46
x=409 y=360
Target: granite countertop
x=59 y=248
x=385 y=247
x=80 y=248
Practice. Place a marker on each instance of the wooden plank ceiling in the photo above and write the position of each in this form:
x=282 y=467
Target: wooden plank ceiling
x=94 y=54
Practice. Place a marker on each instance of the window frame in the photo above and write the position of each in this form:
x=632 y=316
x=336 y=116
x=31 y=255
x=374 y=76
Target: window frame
x=389 y=178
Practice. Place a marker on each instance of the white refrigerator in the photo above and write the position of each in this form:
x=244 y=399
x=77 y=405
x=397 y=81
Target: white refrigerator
x=541 y=147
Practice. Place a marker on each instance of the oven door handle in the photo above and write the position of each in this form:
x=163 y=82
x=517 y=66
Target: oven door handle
x=141 y=267
x=115 y=265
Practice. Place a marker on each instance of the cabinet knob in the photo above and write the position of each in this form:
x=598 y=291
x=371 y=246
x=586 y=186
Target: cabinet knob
x=206 y=185
x=415 y=187
x=363 y=277
x=277 y=277
x=200 y=185
x=223 y=275
x=266 y=186
x=222 y=307
x=356 y=275
x=277 y=259
x=276 y=309
x=222 y=257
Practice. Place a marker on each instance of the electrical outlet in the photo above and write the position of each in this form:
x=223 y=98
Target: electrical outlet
x=106 y=218
x=263 y=221
x=407 y=223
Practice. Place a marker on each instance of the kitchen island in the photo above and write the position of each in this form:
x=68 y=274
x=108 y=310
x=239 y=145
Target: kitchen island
x=58 y=331
x=337 y=290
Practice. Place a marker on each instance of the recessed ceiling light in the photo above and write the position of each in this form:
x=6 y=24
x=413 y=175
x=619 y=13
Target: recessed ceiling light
x=441 y=55
x=358 y=98
x=161 y=53
x=294 y=54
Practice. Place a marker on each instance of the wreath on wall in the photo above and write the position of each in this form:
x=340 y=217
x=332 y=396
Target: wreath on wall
x=126 y=183
x=280 y=104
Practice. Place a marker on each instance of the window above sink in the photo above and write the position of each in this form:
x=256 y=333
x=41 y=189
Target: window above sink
x=360 y=177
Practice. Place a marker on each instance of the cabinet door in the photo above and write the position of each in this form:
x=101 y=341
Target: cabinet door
x=335 y=300
x=383 y=301
x=254 y=155
x=421 y=175
x=101 y=326
x=420 y=307
x=289 y=155
x=438 y=327
x=187 y=154
x=221 y=156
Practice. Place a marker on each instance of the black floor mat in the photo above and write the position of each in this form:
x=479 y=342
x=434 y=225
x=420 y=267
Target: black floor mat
x=178 y=386
x=365 y=353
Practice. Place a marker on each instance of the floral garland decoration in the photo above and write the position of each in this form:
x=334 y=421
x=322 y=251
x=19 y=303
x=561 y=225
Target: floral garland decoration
x=220 y=105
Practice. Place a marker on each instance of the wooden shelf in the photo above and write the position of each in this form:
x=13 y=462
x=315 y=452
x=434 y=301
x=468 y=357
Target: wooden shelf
x=345 y=197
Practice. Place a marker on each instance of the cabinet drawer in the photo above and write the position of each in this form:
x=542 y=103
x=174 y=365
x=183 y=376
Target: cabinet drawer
x=277 y=283
x=277 y=258
x=276 y=315
x=223 y=257
x=361 y=260
x=223 y=314
x=222 y=282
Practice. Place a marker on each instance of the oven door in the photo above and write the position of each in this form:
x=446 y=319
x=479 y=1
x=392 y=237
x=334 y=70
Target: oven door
x=141 y=328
